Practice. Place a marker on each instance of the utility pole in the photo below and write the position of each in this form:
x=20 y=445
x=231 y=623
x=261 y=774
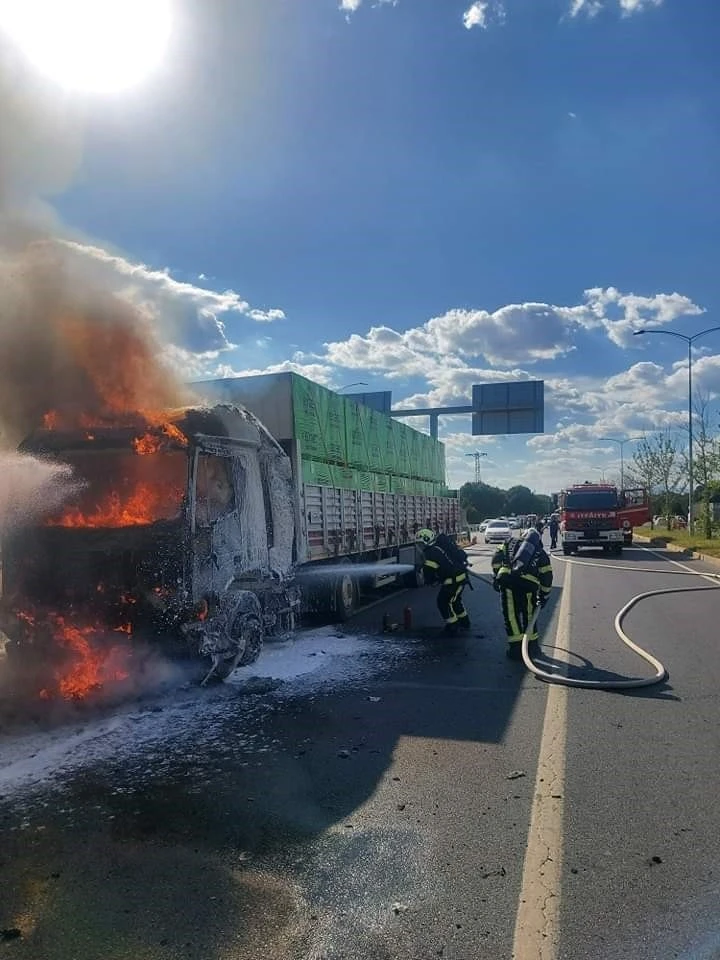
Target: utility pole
x=476 y=456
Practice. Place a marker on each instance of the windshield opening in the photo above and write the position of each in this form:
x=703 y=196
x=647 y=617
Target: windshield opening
x=595 y=500
x=123 y=489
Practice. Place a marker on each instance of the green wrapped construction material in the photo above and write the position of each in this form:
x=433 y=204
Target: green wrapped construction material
x=402 y=436
x=336 y=430
x=318 y=473
x=366 y=438
x=319 y=419
x=382 y=483
x=365 y=480
x=345 y=478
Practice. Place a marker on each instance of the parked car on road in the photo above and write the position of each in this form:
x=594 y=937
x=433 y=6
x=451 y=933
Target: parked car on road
x=498 y=531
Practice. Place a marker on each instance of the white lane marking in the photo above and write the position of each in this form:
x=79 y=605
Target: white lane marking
x=537 y=923
x=698 y=573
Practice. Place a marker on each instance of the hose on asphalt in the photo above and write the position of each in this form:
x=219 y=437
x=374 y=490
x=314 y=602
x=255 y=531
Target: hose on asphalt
x=661 y=672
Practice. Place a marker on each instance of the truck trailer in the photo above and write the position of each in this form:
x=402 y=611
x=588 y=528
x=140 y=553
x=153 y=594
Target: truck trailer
x=207 y=524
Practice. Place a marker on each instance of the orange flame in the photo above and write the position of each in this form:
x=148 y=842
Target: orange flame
x=90 y=666
x=146 y=444
x=152 y=419
x=144 y=505
x=174 y=433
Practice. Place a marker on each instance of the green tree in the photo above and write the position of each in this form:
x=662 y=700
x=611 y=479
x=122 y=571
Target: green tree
x=543 y=504
x=658 y=459
x=706 y=461
x=520 y=500
x=481 y=501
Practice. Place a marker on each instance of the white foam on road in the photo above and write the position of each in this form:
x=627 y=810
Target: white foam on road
x=191 y=720
x=319 y=651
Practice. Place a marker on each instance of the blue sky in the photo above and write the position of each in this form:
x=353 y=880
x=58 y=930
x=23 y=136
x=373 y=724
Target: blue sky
x=421 y=195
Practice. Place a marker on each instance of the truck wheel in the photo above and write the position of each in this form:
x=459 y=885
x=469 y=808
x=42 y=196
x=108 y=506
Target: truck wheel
x=618 y=550
x=346 y=595
x=249 y=633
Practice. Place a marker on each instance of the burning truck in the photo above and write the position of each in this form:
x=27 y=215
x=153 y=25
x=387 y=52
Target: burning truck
x=199 y=524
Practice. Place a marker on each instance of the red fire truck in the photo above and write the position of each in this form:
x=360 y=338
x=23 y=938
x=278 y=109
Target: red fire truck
x=600 y=515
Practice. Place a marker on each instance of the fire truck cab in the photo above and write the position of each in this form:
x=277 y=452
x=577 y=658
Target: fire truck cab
x=590 y=517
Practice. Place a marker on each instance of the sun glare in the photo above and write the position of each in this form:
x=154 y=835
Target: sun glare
x=94 y=46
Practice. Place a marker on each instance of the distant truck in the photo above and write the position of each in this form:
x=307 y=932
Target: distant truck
x=203 y=524
x=600 y=515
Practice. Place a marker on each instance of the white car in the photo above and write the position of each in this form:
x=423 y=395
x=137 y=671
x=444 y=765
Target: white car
x=483 y=526
x=498 y=531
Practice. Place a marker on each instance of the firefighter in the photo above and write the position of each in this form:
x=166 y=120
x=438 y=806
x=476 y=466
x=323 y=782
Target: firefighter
x=445 y=562
x=554 y=527
x=522 y=575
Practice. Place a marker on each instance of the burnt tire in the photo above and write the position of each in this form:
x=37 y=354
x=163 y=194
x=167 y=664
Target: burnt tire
x=223 y=669
x=248 y=632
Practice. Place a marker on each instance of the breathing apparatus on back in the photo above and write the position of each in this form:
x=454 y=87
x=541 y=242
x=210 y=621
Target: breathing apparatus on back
x=530 y=544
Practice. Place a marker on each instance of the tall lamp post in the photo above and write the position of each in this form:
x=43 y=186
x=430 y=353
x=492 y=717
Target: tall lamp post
x=689 y=341
x=621 y=444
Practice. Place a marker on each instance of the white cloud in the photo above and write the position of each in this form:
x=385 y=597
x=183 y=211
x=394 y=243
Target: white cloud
x=623 y=314
x=384 y=350
x=320 y=373
x=589 y=7
x=627 y=7
x=206 y=366
x=352 y=6
x=481 y=12
x=637 y=6
x=462 y=443
x=452 y=386
x=517 y=333
x=189 y=316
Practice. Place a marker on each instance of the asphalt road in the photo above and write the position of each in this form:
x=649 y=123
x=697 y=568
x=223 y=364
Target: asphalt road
x=442 y=802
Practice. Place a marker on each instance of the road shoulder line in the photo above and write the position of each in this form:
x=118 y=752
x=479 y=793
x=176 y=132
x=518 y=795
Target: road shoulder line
x=537 y=922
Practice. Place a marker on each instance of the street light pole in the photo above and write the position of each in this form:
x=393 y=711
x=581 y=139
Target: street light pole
x=690 y=341
x=621 y=444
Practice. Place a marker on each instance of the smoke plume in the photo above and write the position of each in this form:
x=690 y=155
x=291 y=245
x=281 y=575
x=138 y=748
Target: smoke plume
x=70 y=348
x=67 y=345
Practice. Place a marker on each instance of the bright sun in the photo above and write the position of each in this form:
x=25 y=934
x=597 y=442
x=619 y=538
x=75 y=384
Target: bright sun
x=96 y=46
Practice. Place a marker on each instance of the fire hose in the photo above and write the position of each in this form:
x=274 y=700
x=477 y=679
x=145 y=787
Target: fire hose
x=661 y=672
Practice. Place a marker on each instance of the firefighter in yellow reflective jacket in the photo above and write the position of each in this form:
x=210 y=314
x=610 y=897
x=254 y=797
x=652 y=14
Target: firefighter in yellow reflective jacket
x=446 y=562
x=523 y=576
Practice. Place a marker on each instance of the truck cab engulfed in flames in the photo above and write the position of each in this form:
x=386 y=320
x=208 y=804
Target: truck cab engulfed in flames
x=184 y=526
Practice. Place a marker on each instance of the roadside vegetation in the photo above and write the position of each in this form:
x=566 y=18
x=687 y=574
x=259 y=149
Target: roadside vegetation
x=481 y=501
x=660 y=463
x=681 y=538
